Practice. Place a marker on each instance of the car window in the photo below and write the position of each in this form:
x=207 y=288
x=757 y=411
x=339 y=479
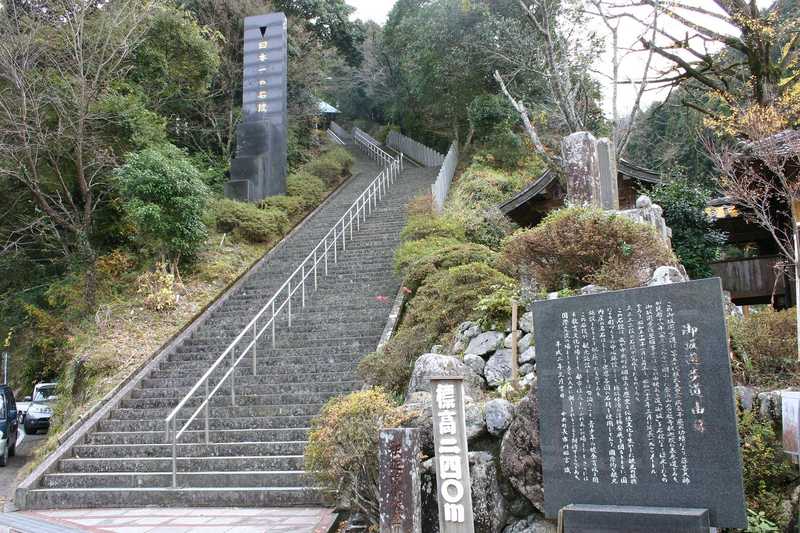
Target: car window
x=12 y=404
x=2 y=406
x=44 y=394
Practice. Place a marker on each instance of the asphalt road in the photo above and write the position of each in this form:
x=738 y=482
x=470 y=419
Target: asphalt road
x=8 y=474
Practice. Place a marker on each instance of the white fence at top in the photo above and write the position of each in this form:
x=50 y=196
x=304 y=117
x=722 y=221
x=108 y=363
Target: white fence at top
x=340 y=132
x=417 y=151
x=441 y=186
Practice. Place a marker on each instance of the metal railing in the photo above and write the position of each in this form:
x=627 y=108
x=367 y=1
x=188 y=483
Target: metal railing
x=372 y=148
x=339 y=131
x=441 y=186
x=246 y=343
x=415 y=150
x=335 y=138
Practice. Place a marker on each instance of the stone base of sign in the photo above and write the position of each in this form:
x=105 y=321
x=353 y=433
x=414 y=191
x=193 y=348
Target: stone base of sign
x=619 y=519
x=399 y=481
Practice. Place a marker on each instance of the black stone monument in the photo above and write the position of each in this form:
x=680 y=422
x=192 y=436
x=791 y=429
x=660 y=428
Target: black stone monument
x=259 y=168
x=636 y=401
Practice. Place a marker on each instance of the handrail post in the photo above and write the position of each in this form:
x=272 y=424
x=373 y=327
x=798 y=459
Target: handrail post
x=255 y=341
x=315 y=269
x=273 y=323
x=233 y=378
x=174 y=455
x=208 y=400
x=303 y=286
x=289 y=299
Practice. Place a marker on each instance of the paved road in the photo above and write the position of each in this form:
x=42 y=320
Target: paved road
x=8 y=474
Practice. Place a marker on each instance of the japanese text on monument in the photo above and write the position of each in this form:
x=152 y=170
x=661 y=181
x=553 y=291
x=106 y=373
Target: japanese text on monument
x=615 y=360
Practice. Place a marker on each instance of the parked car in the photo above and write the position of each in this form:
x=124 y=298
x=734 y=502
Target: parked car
x=34 y=413
x=9 y=426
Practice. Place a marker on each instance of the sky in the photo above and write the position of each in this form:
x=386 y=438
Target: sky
x=631 y=68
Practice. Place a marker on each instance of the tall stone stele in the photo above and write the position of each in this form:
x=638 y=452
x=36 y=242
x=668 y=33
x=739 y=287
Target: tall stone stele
x=590 y=166
x=259 y=168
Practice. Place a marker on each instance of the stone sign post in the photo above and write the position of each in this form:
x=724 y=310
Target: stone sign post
x=790 y=417
x=454 y=491
x=636 y=401
x=399 y=481
x=259 y=168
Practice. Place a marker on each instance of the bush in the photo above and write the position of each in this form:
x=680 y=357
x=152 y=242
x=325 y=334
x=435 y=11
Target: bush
x=573 y=247
x=504 y=148
x=694 y=239
x=308 y=188
x=158 y=289
x=166 y=199
x=447 y=298
x=424 y=226
x=293 y=206
x=423 y=258
x=248 y=222
x=487 y=226
x=489 y=113
x=765 y=348
x=411 y=251
x=343 y=444
x=481 y=187
x=768 y=473
x=332 y=166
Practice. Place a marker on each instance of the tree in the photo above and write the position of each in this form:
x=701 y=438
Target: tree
x=694 y=239
x=54 y=71
x=731 y=48
x=165 y=198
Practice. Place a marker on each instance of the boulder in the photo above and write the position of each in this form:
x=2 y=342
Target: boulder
x=498 y=416
x=523 y=342
x=528 y=356
x=526 y=322
x=459 y=346
x=769 y=404
x=419 y=415
x=665 y=275
x=746 y=396
x=498 y=368
x=488 y=505
x=468 y=330
x=529 y=380
x=489 y=509
x=526 y=369
x=485 y=343
x=437 y=348
x=532 y=524
x=431 y=364
x=592 y=289
x=520 y=451
x=475 y=362
x=643 y=202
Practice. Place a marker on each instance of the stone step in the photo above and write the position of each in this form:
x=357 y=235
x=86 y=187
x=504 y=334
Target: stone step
x=167 y=497
x=161 y=382
x=282 y=342
x=232 y=423
x=178 y=393
x=119 y=480
x=224 y=449
x=184 y=464
x=245 y=368
x=216 y=436
x=257 y=411
x=224 y=400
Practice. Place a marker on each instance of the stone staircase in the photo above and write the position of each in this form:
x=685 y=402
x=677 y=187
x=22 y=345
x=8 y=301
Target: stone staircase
x=255 y=451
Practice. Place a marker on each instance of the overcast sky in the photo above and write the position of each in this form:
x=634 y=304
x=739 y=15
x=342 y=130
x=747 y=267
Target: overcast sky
x=631 y=67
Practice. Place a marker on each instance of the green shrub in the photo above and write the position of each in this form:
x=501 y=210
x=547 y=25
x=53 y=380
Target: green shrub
x=308 y=188
x=769 y=475
x=489 y=113
x=487 y=226
x=424 y=226
x=383 y=133
x=503 y=148
x=444 y=255
x=481 y=187
x=697 y=244
x=248 y=222
x=166 y=199
x=765 y=348
x=573 y=247
x=331 y=166
x=412 y=251
x=293 y=206
x=494 y=309
x=447 y=298
x=343 y=444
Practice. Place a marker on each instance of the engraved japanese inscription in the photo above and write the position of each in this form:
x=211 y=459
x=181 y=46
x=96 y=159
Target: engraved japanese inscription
x=637 y=402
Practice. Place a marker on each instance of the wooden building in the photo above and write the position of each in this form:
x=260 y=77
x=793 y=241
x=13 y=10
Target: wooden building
x=529 y=206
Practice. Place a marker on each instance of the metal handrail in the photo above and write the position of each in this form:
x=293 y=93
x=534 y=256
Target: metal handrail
x=370 y=146
x=335 y=138
x=329 y=244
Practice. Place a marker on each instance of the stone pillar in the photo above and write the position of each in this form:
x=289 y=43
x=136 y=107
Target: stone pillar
x=607 y=163
x=579 y=152
x=399 y=481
